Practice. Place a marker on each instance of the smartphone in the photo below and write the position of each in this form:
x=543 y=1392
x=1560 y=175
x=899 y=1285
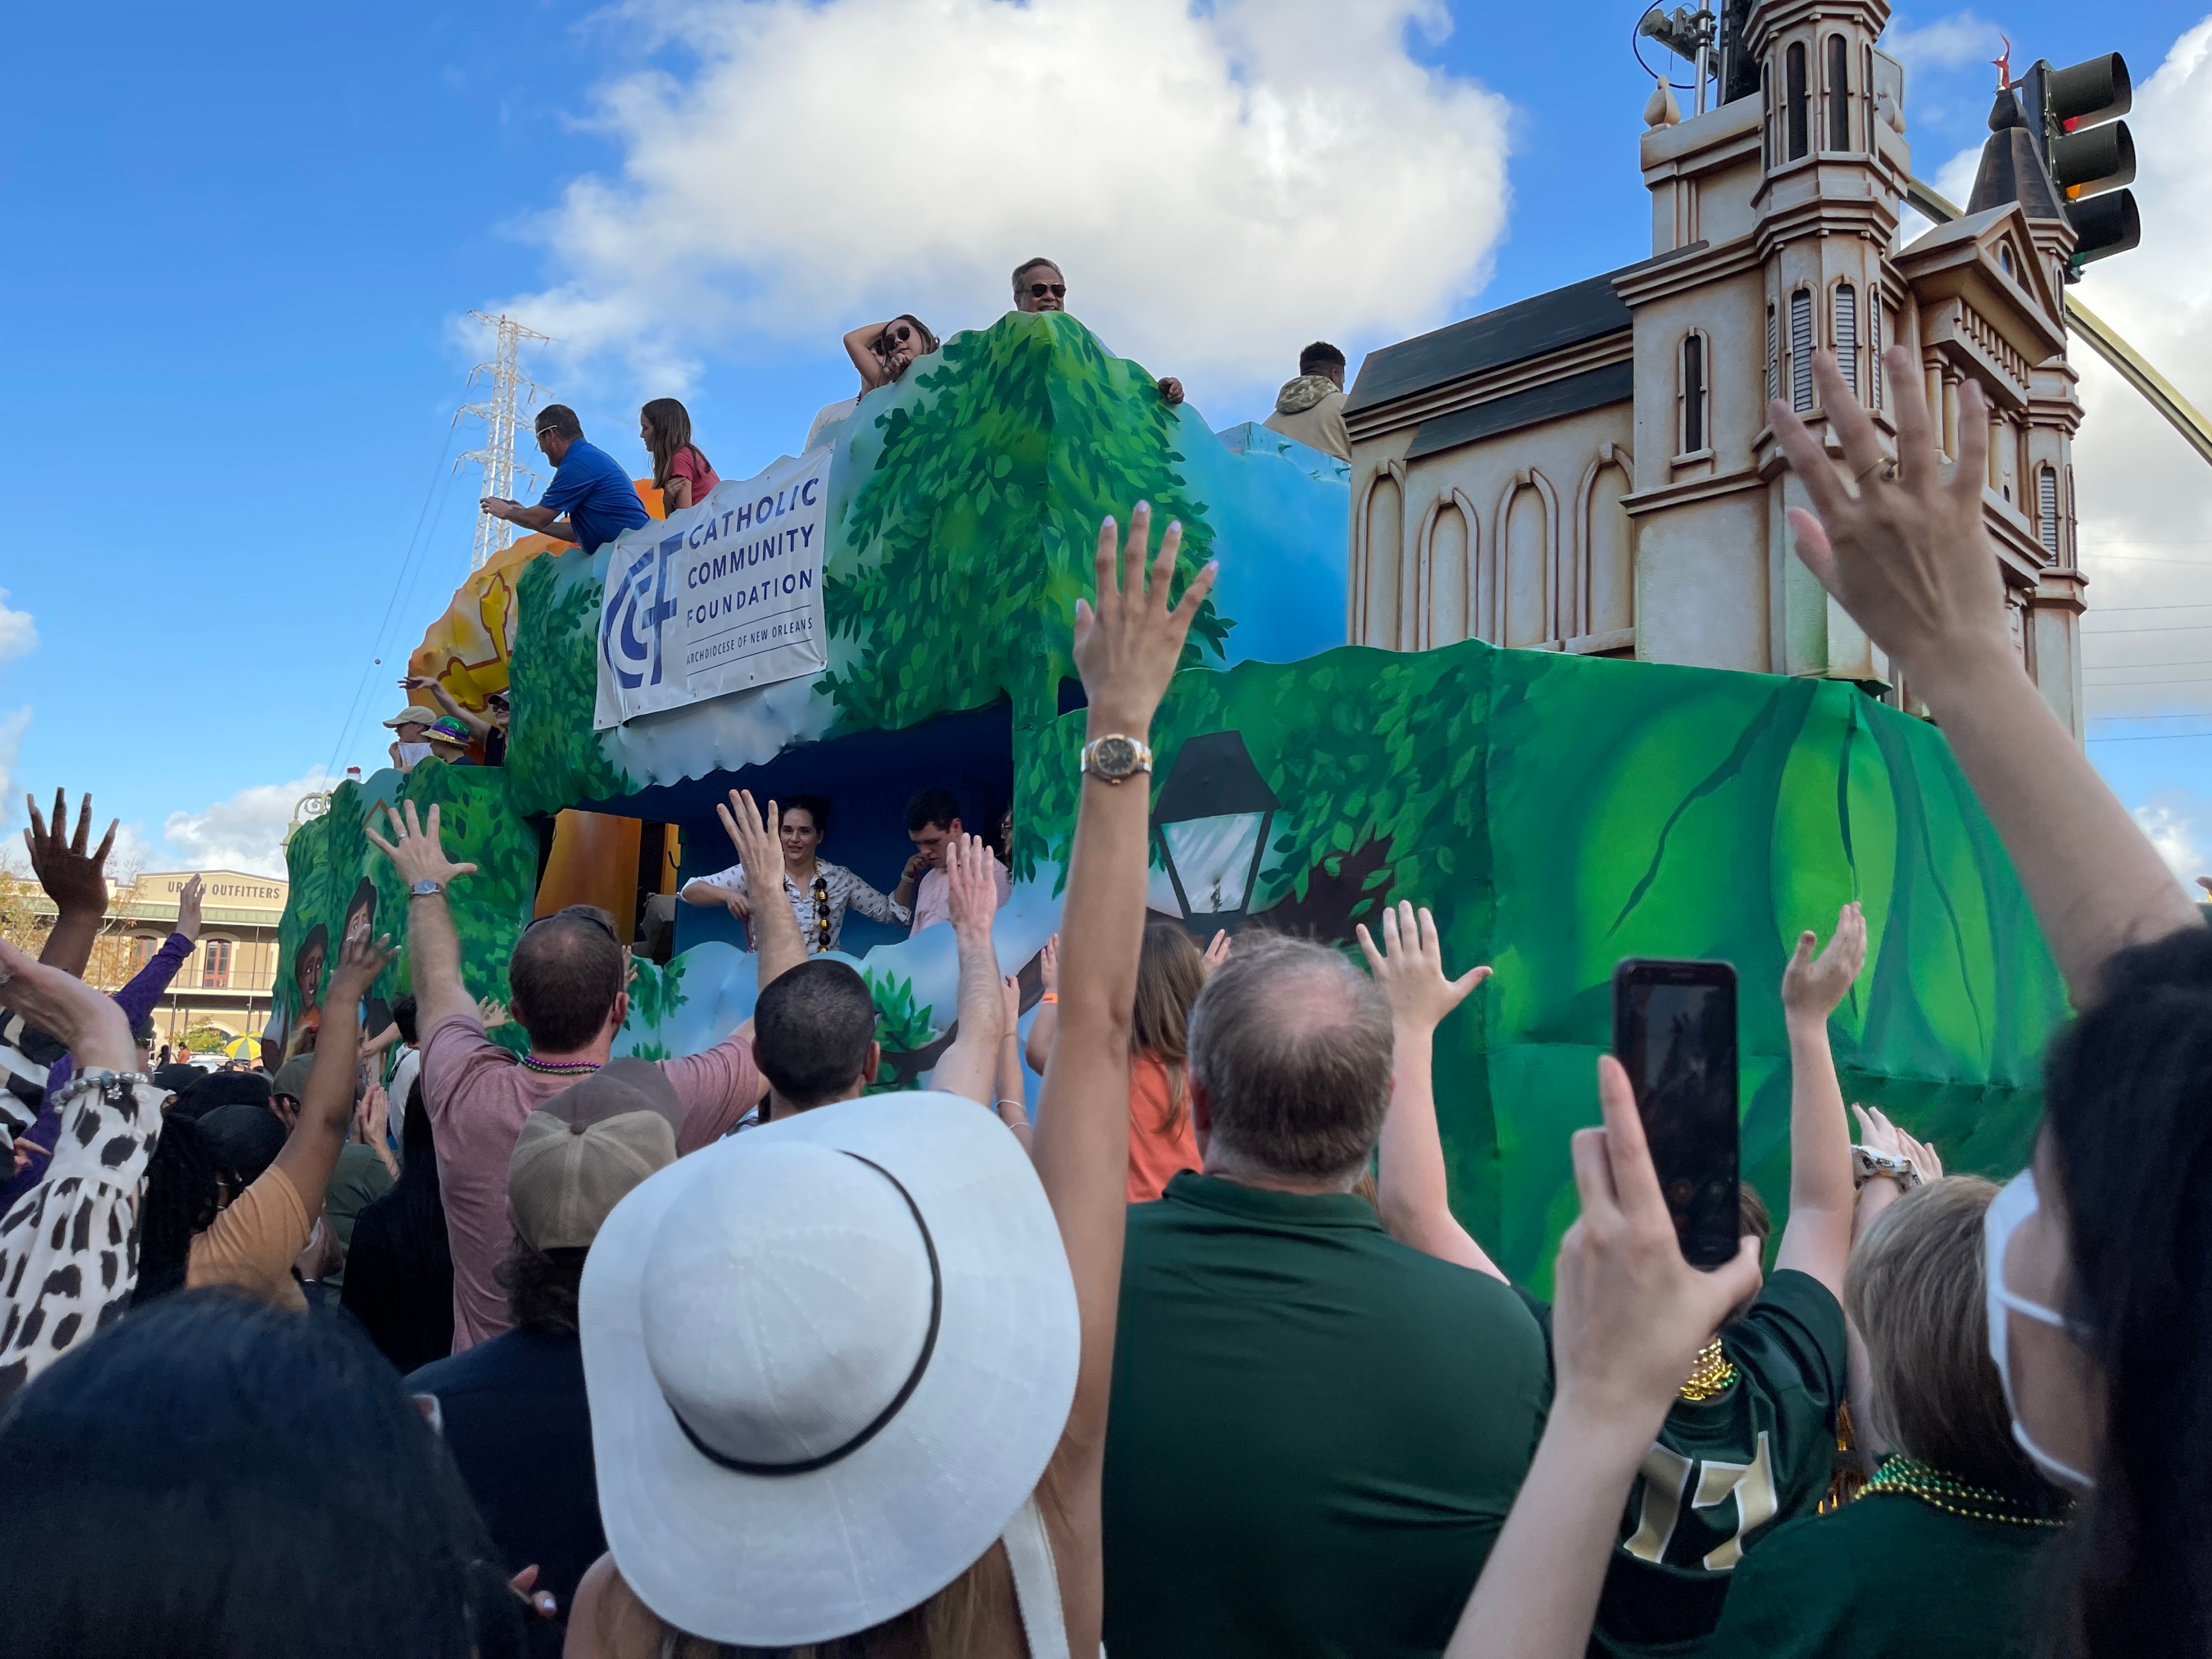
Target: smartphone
x=1674 y=1031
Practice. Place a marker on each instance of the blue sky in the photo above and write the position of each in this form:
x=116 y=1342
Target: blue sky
x=246 y=238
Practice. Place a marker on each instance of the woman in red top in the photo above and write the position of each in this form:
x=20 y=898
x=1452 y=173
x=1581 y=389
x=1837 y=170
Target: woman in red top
x=1170 y=974
x=681 y=471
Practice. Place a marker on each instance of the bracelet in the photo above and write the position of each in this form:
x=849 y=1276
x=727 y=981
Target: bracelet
x=1017 y=1107
x=1049 y=996
x=100 y=1078
x=1890 y=1166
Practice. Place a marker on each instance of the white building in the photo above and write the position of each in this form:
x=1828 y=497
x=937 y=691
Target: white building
x=1591 y=470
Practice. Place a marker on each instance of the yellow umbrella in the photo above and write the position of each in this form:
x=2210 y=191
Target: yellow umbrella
x=243 y=1048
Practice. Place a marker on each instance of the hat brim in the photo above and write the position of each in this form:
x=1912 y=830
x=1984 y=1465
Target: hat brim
x=780 y=1561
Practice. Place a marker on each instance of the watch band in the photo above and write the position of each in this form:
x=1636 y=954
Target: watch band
x=1889 y=1166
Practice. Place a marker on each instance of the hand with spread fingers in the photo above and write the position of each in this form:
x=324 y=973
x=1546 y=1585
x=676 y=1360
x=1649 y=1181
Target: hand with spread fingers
x=72 y=878
x=1410 y=968
x=188 y=908
x=415 y=849
x=1901 y=544
x=1129 y=645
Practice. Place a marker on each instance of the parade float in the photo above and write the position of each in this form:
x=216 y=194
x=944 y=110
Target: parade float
x=1593 y=711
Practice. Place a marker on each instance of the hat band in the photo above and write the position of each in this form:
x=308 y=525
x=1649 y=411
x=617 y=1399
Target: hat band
x=807 y=1465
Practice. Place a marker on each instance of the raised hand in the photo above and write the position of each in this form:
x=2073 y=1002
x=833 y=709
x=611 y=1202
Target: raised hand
x=1879 y=1134
x=1216 y=951
x=1814 y=987
x=1901 y=545
x=188 y=908
x=490 y=1011
x=414 y=849
x=758 y=839
x=91 y=1022
x=971 y=895
x=1410 y=968
x=372 y=1116
x=1630 y=1314
x=73 y=878
x=360 y=959
x=1128 y=646
x=1048 y=964
x=1009 y=1003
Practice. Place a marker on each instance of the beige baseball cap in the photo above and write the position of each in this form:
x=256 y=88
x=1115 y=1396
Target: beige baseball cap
x=580 y=1153
x=414 y=715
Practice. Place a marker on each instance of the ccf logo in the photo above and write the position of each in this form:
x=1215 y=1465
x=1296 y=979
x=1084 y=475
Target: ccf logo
x=630 y=638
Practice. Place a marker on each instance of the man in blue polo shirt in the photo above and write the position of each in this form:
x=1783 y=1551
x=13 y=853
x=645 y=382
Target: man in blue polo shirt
x=589 y=487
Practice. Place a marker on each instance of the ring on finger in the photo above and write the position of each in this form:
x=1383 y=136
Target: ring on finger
x=1886 y=465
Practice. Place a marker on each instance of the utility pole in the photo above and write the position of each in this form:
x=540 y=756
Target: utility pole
x=500 y=413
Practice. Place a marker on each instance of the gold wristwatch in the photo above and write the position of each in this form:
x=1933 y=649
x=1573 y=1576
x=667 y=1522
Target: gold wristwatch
x=1113 y=758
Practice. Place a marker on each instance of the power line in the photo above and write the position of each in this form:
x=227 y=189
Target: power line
x=2171 y=628
x=2178 y=662
x=2154 y=737
x=498 y=413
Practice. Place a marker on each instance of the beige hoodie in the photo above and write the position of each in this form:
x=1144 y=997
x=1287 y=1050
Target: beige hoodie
x=1311 y=410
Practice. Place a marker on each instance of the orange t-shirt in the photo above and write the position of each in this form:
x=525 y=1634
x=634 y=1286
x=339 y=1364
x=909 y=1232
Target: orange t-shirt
x=1156 y=1152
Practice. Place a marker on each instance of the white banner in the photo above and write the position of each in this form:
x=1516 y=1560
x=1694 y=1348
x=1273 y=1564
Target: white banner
x=721 y=596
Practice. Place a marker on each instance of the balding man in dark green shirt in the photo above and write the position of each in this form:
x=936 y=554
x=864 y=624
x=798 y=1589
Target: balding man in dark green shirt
x=1316 y=1432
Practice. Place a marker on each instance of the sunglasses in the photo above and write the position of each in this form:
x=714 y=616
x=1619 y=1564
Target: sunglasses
x=898 y=336
x=1058 y=290
x=578 y=913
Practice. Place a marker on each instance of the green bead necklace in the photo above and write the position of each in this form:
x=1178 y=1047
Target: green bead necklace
x=1910 y=1478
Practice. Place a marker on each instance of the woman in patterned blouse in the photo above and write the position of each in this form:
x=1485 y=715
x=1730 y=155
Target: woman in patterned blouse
x=819 y=891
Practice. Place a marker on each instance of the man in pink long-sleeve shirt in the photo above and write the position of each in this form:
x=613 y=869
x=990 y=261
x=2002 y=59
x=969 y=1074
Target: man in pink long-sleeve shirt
x=565 y=981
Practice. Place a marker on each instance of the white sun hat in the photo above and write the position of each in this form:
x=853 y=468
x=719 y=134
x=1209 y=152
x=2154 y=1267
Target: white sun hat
x=829 y=1360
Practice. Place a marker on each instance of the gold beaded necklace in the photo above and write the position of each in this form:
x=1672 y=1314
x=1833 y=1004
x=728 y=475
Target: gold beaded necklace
x=1710 y=1377
x=1912 y=1479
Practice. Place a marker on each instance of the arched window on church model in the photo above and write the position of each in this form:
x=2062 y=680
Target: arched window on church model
x=1773 y=355
x=1840 y=93
x=1767 y=148
x=2005 y=261
x=2046 y=509
x=1877 y=331
x=1801 y=350
x=1795 y=98
x=1844 y=330
x=1693 y=430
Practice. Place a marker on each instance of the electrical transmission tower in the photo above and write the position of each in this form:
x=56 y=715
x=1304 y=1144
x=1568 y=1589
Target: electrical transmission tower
x=501 y=414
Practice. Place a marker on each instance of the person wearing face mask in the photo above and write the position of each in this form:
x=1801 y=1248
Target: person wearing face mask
x=1937 y=1554
x=2099 y=1281
x=883 y=352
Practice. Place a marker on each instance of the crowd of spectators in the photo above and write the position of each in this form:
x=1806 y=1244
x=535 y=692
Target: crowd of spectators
x=740 y=1354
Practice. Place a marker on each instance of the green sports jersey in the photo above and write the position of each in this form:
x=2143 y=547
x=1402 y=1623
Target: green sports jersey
x=1886 y=1577
x=1727 y=1471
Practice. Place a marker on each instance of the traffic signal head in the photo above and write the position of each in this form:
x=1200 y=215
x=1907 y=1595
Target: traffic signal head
x=2074 y=113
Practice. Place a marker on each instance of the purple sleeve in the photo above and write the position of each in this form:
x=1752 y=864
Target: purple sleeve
x=138 y=999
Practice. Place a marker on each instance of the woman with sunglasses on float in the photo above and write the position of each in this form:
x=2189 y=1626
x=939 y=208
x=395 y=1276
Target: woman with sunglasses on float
x=883 y=352
x=820 y=892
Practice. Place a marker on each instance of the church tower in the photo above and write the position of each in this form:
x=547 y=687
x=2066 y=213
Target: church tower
x=1834 y=166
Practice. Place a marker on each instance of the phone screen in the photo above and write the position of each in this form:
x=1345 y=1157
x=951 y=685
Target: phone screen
x=1675 y=1033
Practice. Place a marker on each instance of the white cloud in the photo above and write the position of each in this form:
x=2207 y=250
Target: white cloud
x=19 y=635
x=2178 y=824
x=1950 y=42
x=1222 y=184
x=14 y=724
x=245 y=833
x=2145 y=497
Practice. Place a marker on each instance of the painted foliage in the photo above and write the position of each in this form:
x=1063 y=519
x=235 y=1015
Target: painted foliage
x=1561 y=812
x=337 y=876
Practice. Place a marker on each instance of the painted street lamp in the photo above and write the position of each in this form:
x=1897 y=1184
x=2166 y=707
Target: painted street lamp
x=1212 y=818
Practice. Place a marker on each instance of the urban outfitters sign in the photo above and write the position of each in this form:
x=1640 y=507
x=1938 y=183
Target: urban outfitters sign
x=719 y=597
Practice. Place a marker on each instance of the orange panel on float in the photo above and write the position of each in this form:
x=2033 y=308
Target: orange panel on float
x=594 y=862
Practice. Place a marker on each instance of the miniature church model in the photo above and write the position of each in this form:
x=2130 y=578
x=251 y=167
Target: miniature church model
x=1592 y=469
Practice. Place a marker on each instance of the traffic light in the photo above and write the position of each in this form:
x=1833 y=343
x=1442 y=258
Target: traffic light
x=2074 y=114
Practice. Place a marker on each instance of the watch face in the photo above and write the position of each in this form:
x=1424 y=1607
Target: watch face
x=1113 y=757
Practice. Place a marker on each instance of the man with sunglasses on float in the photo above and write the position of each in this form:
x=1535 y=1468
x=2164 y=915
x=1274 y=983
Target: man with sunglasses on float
x=567 y=988
x=1039 y=286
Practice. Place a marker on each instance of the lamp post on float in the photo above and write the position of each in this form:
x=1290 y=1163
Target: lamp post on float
x=1212 y=818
